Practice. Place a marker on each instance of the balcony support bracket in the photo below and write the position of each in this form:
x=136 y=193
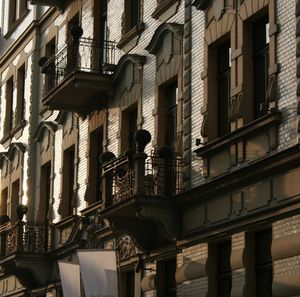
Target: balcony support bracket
x=31 y=271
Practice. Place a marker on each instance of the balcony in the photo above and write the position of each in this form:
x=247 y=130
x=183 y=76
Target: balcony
x=22 y=252
x=240 y=148
x=138 y=196
x=79 y=77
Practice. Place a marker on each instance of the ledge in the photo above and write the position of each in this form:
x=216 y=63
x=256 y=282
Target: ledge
x=65 y=222
x=163 y=6
x=252 y=128
x=91 y=208
x=133 y=32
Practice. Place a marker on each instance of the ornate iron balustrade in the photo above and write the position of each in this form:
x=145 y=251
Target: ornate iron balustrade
x=83 y=55
x=121 y=177
x=24 y=238
x=127 y=176
x=163 y=175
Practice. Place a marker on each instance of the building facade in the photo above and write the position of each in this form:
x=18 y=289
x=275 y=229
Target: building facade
x=166 y=130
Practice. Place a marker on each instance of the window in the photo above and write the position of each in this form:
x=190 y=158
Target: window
x=132 y=14
x=260 y=64
x=167 y=116
x=170 y=282
x=129 y=127
x=20 y=95
x=263 y=263
x=96 y=149
x=50 y=77
x=3 y=204
x=16 y=10
x=103 y=30
x=166 y=284
x=73 y=47
x=224 y=269
x=223 y=82
x=171 y=98
x=14 y=200
x=130 y=284
x=10 y=106
x=68 y=181
x=45 y=191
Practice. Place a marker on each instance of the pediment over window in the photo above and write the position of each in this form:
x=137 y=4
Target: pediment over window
x=162 y=32
x=43 y=127
x=124 y=62
x=12 y=159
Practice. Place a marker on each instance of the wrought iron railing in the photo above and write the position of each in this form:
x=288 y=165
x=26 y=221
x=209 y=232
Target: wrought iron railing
x=121 y=176
x=25 y=238
x=85 y=55
x=162 y=177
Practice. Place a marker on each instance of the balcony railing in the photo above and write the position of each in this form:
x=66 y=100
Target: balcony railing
x=24 y=238
x=140 y=174
x=82 y=55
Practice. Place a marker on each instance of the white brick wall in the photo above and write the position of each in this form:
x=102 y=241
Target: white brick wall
x=286 y=55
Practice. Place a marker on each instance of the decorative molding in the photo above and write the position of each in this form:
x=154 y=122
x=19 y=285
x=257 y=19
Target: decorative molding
x=123 y=63
x=126 y=247
x=157 y=40
x=45 y=125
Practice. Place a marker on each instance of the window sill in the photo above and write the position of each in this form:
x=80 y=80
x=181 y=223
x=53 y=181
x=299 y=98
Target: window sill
x=91 y=208
x=163 y=6
x=66 y=222
x=14 y=25
x=252 y=128
x=13 y=132
x=131 y=34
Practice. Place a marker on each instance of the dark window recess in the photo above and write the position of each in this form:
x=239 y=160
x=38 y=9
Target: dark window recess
x=130 y=284
x=171 y=92
x=263 y=263
x=170 y=282
x=45 y=196
x=224 y=278
x=260 y=63
x=132 y=127
x=20 y=95
x=96 y=149
x=50 y=77
x=73 y=47
x=46 y=188
x=68 y=181
x=132 y=14
x=103 y=31
x=14 y=200
x=22 y=7
x=16 y=11
x=9 y=105
x=3 y=205
x=223 y=79
x=12 y=12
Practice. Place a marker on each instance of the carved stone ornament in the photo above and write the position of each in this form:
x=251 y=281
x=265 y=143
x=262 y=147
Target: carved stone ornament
x=126 y=247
